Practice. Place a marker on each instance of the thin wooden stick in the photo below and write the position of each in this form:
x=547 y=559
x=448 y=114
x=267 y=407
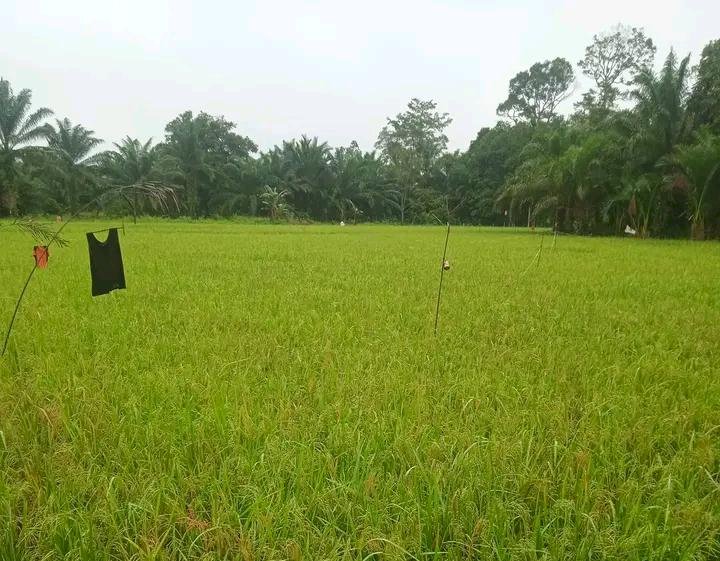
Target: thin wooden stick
x=539 y=253
x=27 y=282
x=442 y=272
x=536 y=258
x=55 y=237
x=17 y=307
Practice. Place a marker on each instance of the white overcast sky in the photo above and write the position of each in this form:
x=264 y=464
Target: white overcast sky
x=327 y=68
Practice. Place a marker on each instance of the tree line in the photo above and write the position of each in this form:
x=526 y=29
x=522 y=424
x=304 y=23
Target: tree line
x=641 y=149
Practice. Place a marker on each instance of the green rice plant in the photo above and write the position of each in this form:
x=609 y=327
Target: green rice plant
x=266 y=391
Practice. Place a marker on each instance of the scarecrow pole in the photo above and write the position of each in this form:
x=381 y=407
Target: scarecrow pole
x=54 y=238
x=442 y=272
x=150 y=189
x=17 y=307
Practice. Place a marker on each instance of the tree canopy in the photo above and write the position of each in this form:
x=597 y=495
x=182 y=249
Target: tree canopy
x=535 y=94
x=639 y=150
x=410 y=145
x=613 y=59
x=705 y=101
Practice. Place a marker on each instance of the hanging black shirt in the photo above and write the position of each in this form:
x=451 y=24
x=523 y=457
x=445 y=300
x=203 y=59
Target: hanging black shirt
x=106 y=266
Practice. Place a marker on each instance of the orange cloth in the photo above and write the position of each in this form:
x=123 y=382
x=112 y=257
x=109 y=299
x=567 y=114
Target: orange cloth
x=41 y=255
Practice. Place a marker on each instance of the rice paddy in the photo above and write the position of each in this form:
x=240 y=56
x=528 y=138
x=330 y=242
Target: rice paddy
x=276 y=392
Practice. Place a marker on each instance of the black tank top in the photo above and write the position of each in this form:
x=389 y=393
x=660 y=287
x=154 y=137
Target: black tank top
x=106 y=266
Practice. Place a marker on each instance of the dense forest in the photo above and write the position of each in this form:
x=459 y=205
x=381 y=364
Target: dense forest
x=641 y=149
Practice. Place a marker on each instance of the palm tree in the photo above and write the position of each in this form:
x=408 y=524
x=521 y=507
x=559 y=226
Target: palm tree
x=19 y=127
x=210 y=160
x=699 y=165
x=662 y=107
x=131 y=163
x=187 y=158
x=565 y=177
x=307 y=174
x=348 y=189
x=378 y=193
x=635 y=200
x=658 y=125
x=72 y=146
x=240 y=188
x=544 y=181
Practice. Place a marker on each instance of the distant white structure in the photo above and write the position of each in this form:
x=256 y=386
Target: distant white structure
x=630 y=231
x=342 y=223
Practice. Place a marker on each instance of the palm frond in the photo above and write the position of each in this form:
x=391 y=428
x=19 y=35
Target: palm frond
x=40 y=232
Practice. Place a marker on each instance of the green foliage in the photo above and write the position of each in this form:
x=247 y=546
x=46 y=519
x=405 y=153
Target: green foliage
x=410 y=145
x=205 y=155
x=71 y=177
x=135 y=164
x=490 y=159
x=534 y=94
x=415 y=137
x=699 y=164
x=19 y=127
x=131 y=162
x=307 y=174
x=358 y=182
x=705 y=100
x=612 y=61
x=40 y=232
x=274 y=201
x=662 y=116
x=607 y=166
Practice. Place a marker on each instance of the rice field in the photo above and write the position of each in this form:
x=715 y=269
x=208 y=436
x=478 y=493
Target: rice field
x=268 y=392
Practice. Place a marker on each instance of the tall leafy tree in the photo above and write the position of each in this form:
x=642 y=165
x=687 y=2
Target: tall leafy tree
x=612 y=61
x=534 y=94
x=410 y=144
x=492 y=156
x=206 y=155
x=651 y=165
x=20 y=127
x=451 y=178
x=239 y=192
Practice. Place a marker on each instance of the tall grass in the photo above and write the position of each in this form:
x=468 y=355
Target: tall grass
x=276 y=392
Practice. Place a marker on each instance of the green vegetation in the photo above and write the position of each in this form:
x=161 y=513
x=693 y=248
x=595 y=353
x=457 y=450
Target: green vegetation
x=618 y=160
x=275 y=392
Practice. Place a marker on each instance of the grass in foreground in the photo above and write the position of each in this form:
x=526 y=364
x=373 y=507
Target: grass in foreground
x=275 y=392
